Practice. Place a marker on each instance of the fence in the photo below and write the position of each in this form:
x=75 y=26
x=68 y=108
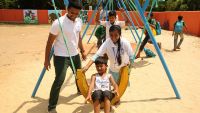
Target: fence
x=166 y=19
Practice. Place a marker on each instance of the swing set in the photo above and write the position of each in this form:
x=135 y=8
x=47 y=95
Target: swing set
x=140 y=10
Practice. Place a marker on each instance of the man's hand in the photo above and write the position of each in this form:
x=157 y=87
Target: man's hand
x=47 y=65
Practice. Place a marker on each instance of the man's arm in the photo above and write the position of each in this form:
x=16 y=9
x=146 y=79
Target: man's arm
x=49 y=44
x=80 y=45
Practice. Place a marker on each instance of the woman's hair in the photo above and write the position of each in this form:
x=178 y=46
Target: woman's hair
x=118 y=28
x=101 y=60
x=75 y=4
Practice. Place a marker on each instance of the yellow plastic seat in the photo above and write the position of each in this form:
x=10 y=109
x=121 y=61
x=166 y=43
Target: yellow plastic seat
x=83 y=85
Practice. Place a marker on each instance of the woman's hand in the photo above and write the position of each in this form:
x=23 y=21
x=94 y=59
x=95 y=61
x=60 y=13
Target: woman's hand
x=84 y=56
x=84 y=69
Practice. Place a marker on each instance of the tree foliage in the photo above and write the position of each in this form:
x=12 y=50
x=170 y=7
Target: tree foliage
x=178 y=5
x=163 y=5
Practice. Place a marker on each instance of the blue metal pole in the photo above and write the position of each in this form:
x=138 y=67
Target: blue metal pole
x=107 y=13
x=157 y=49
x=99 y=2
x=42 y=75
x=66 y=2
x=130 y=18
x=92 y=34
x=145 y=5
x=118 y=4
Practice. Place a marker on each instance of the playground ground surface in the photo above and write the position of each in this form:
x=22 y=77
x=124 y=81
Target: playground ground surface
x=22 y=58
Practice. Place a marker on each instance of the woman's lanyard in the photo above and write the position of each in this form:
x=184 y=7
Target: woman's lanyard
x=115 y=54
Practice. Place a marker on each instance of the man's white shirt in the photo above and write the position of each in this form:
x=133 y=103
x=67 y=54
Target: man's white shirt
x=71 y=30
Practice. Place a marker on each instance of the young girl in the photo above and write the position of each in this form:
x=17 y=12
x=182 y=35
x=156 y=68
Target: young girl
x=118 y=50
x=101 y=87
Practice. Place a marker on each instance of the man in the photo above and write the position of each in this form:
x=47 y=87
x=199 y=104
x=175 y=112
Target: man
x=71 y=26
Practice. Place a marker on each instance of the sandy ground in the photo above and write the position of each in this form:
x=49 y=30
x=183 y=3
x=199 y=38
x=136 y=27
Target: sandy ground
x=22 y=56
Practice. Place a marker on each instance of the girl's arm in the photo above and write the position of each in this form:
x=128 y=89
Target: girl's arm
x=85 y=68
x=90 y=88
x=114 y=85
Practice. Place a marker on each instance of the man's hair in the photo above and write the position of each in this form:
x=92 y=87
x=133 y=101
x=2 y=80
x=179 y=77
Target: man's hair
x=112 y=13
x=101 y=60
x=180 y=17
x=75 y=4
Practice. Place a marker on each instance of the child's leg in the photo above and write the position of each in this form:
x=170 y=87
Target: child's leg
x=106 y=105
x=181 y=40
x=108 y=96
x=96 y=105
x=144 y=42
x=97 y=98
x=175 y=40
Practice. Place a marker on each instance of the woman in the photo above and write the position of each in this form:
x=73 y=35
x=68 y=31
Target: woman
x=118 y=50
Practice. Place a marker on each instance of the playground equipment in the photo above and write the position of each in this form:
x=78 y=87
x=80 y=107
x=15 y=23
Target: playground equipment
x=140 y=10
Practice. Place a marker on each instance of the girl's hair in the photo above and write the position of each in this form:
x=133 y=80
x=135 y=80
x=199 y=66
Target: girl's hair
x=118 y=28
x=101 y=60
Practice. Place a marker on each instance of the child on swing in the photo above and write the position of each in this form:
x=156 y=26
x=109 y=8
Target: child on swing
x=100 y=86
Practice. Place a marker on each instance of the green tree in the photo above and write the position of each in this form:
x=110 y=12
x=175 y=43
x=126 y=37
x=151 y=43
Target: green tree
x=6 y=4
x=40 y=4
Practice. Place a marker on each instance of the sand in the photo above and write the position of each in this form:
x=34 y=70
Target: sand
x=22 y=58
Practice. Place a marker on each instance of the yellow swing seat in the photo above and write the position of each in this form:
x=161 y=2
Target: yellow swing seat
x=83 y=85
